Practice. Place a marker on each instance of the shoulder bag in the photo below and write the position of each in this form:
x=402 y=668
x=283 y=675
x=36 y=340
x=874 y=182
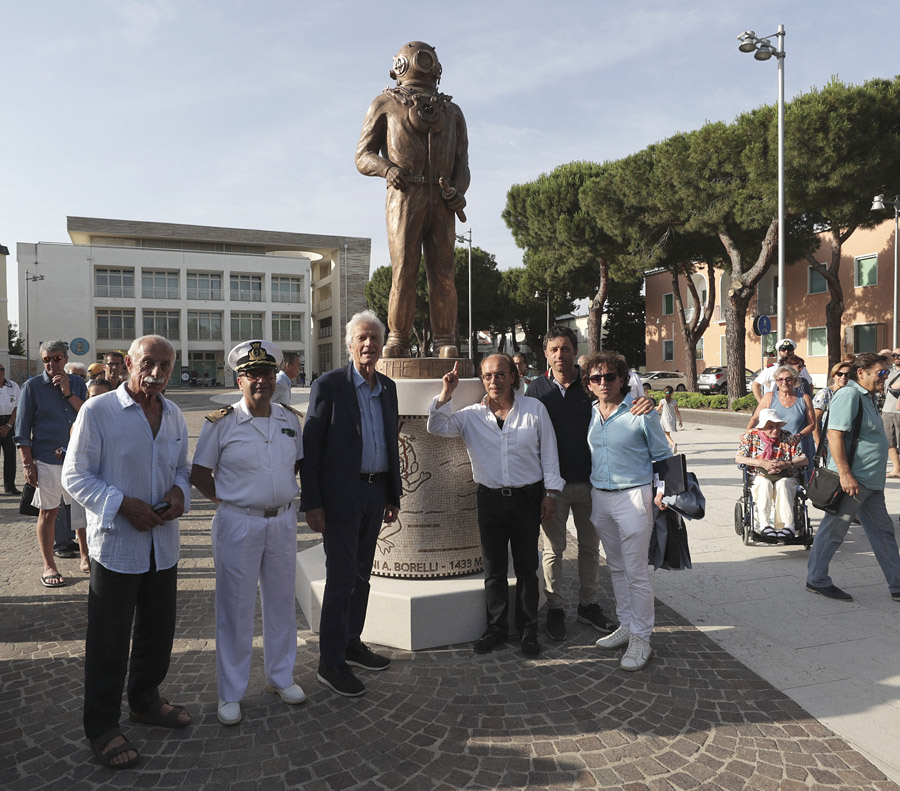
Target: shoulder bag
x=824 y=489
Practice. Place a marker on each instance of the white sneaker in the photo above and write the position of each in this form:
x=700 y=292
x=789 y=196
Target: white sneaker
x=615 y=640
x=291 y=695
x=674 y=448
x=229 y=713
x=636 y=655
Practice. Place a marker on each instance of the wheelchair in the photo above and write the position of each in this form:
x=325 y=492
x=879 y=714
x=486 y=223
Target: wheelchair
x=746 y=524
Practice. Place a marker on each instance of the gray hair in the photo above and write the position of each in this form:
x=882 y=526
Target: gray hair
x=54 y=346
x=789 y=368
x=135 y=347
x=289 y=358
x=76 y=368
x=363 y=317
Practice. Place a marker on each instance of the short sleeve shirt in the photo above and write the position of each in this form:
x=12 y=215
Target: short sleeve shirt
x=870 y=462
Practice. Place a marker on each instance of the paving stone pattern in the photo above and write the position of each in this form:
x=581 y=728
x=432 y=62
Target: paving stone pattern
x=696 y=718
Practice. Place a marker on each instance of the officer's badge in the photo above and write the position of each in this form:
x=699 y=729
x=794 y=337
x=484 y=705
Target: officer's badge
x=289 y=431
x=257 y=354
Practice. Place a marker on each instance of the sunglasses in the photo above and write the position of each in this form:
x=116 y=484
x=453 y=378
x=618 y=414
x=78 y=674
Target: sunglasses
x=845 y=374
x=56 y=358
x=595 y=379
x=783 y=379
x=895 y=355
x=499 y=376
x=881 y=374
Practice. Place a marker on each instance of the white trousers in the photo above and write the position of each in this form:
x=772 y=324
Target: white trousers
x=251 y=551
x=784 y=490
x=624 y=522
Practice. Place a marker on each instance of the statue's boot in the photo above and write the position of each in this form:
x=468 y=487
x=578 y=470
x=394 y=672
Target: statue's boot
x=445 y=347
x=397 y=345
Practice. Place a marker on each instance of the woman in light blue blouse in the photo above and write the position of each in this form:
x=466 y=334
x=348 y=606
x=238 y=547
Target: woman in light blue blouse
x=623 y=449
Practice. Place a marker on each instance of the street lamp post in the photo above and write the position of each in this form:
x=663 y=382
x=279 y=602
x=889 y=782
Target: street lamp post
x=29 y=278
x=763 y=50
x=878 y=204
x=537 y=295
x=467 y=239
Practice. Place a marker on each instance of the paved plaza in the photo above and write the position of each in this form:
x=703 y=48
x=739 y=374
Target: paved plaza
x=738 y=643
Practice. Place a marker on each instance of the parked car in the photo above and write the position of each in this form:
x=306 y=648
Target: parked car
x=714 y=379
x=660 y=379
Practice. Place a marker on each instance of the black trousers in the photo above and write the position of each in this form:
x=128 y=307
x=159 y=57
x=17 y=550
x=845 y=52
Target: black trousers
x=513 y=522
x=115 y=603
x=349 y=552
x=8 y=445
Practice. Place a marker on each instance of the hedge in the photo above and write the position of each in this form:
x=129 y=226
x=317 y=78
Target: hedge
x=700 y=401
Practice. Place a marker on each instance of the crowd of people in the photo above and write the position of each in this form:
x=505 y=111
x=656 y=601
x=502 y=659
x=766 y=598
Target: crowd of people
x=581 y=440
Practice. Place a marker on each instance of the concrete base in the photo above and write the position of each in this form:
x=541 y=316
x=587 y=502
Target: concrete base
x=406 y=614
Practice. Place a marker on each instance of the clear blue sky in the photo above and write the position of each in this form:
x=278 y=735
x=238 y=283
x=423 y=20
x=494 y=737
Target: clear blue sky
x=246 y=112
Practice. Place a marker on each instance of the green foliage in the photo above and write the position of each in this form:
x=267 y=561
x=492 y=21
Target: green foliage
x=694 y=400
x=16 y=342
x=746 y=404
x=625 y=320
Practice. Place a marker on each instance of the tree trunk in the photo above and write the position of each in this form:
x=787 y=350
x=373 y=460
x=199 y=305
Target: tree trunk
x=690 y=339
x=595 y=312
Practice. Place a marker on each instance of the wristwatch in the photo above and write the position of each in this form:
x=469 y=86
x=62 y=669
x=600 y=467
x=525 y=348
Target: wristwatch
x=70 y=395
x=552 y=495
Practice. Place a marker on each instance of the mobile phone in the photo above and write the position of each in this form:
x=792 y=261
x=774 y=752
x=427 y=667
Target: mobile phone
x=161 y=506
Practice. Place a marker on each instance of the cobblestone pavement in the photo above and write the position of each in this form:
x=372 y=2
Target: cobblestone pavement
x=437 y=719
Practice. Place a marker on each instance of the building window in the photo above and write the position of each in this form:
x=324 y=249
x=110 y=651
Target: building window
x=159 y=285
x=323 y=298
x=325 y=327
x=326 y=359
x=162 y=322
x=113 y=282
x=115 y=324
x=204 y=325
x=246 y=288
x=204 y=285
x=287 y=327
x=668 y=351
x=865 y=338
x=246 y=326
x=817 y=282
x=769 y=342
x=816 y=345
x=866 y=272
x=699 y=354
x=286 y=289
x=668 y=304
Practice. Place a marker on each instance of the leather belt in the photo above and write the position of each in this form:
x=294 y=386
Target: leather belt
x=268 y=513
x=372 y=477
x=512 y=491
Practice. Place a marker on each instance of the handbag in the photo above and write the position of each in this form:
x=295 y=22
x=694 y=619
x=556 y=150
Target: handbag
x=25 y=506
x=824 y=489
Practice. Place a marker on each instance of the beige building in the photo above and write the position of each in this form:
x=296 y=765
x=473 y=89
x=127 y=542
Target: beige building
x=204 y=288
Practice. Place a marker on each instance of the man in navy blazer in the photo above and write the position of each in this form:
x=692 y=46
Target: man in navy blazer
x=350 y=478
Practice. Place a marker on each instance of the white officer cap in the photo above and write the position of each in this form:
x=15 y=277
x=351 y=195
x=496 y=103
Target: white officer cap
x=254 y=354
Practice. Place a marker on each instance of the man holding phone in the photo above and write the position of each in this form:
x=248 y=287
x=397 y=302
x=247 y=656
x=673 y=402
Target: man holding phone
x=127 y=465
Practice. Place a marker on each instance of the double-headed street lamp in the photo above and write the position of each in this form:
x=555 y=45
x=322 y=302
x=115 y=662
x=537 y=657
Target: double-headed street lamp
x=878 y=204
x=467 y=239
x=762 y=48
x=29 y=278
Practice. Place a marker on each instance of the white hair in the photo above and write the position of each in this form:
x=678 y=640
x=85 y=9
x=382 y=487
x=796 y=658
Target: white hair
x=78 y=369
x=363 y=317
x=135 y=348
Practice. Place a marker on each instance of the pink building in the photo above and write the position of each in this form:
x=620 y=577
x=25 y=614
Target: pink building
x=867 y=277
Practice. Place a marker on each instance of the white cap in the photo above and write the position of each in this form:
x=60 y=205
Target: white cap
x=769 y=416
x=784 y=341
x=254 y=354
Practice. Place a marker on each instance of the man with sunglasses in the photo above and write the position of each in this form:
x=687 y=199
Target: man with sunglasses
x=862 y=481
x=114 y=368
x=9 y=402
x=47 y=410
x=247 y=460
x=890 y=413
x=765 y=380
x=512 y=447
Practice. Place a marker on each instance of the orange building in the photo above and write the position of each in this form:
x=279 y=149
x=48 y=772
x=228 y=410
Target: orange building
x=867 y=277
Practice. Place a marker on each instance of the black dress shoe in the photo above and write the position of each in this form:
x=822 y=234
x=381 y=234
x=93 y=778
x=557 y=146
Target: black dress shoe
x=490 y=640
x=68 y=552
x=829 y=592
x=530 y=645
x=556 y=623
x=14 y=492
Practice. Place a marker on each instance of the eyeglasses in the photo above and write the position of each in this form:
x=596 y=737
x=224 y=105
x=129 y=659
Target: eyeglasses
x=56 y=358
x=845 y=374
x=783 y=379
x=499 y=376
x=258 y=376
x=113 y=365
x=595 y=379
x=895 y=355
x=881 y=374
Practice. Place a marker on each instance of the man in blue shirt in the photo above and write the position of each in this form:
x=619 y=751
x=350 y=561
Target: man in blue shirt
x=47 y=410
x=862 y=481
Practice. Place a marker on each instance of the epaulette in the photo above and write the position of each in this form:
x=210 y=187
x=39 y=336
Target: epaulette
x=212 y=417
x=291 y=409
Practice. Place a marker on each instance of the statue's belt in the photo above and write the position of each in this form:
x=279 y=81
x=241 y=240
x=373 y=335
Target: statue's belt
x=422 y=179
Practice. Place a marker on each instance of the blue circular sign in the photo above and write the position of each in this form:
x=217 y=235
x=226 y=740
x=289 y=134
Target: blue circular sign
x=79 y=346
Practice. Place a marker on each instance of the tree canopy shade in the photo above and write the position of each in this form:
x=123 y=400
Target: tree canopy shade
x=842 y=148
x=16 y=344
x=565 y=250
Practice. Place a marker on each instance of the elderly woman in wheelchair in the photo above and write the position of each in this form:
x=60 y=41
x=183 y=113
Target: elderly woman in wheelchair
x=773 y=458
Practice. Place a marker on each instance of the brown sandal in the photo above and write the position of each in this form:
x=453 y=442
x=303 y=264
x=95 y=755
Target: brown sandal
x=154 y=716
x=105 y=758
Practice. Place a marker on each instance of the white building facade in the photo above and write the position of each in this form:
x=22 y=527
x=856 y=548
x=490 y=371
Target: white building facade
x=204 y=288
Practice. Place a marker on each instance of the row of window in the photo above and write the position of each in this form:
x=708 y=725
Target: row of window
x=865 y=275
x=163 y=284
x=116 y=324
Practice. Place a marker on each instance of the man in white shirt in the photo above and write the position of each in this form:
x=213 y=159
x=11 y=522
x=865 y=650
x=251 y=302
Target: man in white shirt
x=512 y=447
x=290 y=367
x=765 y=380
x=9 y=402
x=254 y=449
x=127 y=465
